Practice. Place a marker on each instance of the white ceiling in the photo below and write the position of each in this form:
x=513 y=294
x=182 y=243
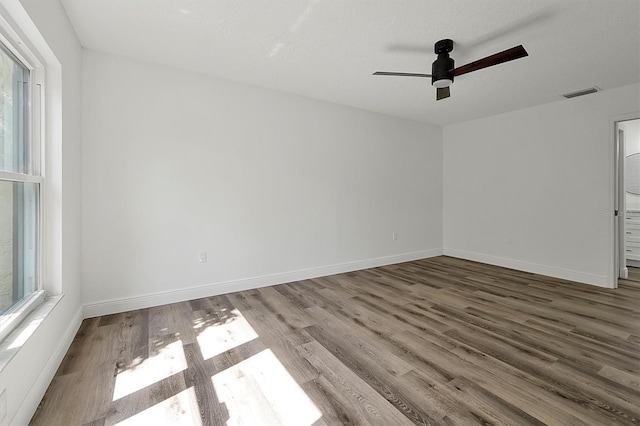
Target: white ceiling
x=327 y=49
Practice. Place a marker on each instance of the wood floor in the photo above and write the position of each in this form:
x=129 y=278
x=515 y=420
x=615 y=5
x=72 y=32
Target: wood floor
x=439 y=341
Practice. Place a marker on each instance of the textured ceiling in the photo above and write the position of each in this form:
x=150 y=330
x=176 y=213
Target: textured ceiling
x=327 y=49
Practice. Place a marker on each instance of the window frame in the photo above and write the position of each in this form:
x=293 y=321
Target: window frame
x=34 y=172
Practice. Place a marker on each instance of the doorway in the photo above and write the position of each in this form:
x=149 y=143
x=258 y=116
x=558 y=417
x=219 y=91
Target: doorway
x=627 y=196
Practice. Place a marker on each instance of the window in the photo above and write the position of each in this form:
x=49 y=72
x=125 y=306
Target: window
x=20 y=188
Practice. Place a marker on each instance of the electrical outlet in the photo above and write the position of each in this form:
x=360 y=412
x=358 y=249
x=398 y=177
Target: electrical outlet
x=202 y=256
x=3 y=406
x=394 y=236
x=509 y=240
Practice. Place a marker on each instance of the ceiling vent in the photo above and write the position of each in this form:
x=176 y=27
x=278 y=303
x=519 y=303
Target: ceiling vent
x=581 y=92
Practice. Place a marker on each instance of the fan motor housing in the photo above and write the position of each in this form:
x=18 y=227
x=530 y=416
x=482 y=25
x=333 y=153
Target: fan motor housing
x=441 y=68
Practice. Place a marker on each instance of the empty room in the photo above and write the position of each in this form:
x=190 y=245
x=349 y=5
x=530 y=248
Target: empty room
x=319 y=212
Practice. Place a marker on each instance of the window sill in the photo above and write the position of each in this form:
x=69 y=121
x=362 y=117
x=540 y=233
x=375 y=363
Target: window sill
x=10 y=346
x=20 y=311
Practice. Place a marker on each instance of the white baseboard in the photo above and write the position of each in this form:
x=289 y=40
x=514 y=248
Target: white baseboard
x=31 y=401
x=565 y=274
x=162 y=298
x=633 y=263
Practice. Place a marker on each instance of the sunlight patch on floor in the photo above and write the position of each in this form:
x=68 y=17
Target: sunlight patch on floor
x=180 y=409
x=163 y=362
x=260 y=391
x=219 y=338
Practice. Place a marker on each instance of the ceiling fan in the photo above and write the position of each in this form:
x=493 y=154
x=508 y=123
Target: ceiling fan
x=443 y=71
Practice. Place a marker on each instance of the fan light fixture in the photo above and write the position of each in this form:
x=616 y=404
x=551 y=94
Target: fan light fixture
x=445 y=82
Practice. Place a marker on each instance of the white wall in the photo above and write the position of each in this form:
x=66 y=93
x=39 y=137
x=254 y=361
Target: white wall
x=273 y=186
x=540 y=176
x=30 y=370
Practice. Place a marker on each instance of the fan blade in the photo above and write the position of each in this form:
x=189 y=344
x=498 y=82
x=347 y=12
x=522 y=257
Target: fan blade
x=442 y=92
x=401 y=74
x=499 y=58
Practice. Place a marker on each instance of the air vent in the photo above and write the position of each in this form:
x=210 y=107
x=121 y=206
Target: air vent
x=581 y=92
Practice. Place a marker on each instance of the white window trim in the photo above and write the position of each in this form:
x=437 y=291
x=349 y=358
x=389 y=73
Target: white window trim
x=10 y=320
x=11 y=41
x=19 y=177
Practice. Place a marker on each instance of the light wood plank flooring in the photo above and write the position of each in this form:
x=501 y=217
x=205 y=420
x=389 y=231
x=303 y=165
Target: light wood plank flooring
x=433 y=342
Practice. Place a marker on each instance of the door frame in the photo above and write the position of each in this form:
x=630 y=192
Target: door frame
x=617 y=222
